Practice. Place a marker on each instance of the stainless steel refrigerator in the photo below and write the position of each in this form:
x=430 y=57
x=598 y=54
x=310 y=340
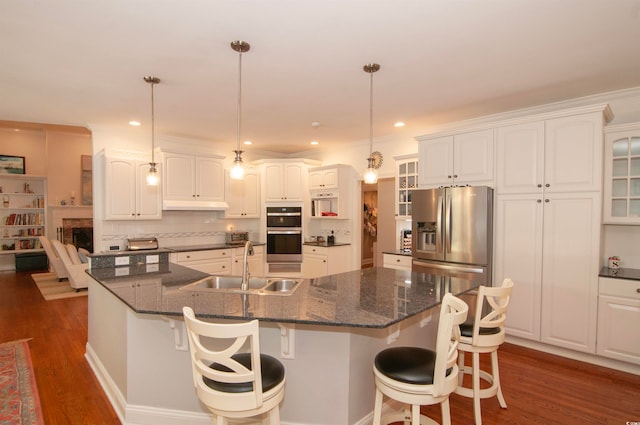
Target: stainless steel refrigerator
x=452 y=231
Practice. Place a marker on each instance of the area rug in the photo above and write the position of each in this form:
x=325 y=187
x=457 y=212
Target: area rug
x=51 y=289
x=19 y=400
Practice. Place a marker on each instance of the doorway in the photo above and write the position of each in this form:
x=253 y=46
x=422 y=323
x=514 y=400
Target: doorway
x=378 y=221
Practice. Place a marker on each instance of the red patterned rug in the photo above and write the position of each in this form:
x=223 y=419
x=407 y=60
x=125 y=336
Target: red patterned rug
x=19 y=401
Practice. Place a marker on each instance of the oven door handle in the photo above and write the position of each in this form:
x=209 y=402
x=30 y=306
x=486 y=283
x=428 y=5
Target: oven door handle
x=284 y=232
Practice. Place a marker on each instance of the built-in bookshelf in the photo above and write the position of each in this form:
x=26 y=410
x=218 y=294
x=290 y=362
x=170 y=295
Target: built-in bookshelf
x=22 y=212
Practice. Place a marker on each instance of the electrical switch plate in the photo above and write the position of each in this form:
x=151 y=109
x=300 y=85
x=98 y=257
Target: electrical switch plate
x=122 y=261
x=153 y=259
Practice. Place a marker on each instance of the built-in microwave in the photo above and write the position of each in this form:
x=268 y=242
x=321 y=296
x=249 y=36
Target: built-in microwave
x=284 y=235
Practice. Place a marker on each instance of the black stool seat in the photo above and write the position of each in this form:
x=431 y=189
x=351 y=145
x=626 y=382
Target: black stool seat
x=466 y=329
x=272 y=374
x=411 y=365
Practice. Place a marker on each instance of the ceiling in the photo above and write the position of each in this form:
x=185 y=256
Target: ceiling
x=74 y=62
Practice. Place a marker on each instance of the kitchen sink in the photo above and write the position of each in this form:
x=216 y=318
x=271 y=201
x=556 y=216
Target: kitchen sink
x=257 y=285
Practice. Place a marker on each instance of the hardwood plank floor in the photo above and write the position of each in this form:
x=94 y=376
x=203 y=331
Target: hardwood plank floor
x=539 y=388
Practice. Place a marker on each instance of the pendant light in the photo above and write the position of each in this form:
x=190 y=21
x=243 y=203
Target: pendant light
x=152 y=177
x=237 y=169
x=371 y=175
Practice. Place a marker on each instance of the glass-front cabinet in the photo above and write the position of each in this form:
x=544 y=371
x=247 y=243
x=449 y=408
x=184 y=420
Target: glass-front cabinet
x=406 y=183
x=622 y=174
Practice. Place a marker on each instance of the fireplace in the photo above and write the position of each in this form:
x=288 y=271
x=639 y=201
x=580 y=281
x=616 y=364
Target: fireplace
x=78 y=232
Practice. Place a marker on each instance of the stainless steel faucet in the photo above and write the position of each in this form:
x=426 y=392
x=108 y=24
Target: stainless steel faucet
x=248 y=250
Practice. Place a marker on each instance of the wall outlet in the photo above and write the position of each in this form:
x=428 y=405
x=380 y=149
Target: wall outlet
x=122 y=261
x=114 y=248
x=153 y=259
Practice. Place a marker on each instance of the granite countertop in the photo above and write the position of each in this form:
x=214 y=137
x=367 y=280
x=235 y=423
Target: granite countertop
x=398 y=252
x=185 y=248
x=622 y=273
x=369 y=298
x=325 y=244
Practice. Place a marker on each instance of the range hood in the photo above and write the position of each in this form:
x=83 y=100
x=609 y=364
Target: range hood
x=168 y=204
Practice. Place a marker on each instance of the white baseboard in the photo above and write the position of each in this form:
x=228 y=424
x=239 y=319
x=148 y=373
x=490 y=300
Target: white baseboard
x=576 y=355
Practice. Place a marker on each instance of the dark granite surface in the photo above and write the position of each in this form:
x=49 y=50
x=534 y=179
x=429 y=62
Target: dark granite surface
x=398 y=252
x=369 y=298
x=622 y=273
x=207 y=247
x=326 y=244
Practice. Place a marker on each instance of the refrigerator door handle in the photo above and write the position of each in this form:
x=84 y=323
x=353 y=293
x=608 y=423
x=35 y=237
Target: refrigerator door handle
x=439 y=226
x=453 y=267
x=448 y=226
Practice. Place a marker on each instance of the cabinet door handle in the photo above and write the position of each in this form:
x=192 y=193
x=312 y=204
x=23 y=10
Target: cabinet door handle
x=539 y=185
x=638 y=290
x=449 y=177
x=547 y=185
x=455 y=176
x=539 y=200
x=546 y=200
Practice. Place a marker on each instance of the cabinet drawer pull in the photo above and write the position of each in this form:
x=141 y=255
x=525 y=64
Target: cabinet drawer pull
x=638 y=290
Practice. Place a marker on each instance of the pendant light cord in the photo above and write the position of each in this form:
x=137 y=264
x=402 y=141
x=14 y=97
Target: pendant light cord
x=153 y=127
x=371 y=116
x=239 y=97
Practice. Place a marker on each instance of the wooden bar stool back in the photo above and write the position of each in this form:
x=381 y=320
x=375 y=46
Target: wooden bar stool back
x=484 y=335
x=417 y=376
x=231 y=382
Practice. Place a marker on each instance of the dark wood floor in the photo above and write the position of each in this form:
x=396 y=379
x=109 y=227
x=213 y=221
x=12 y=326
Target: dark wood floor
x=539 y=388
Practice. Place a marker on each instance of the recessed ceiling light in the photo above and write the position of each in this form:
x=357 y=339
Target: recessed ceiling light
x=134 y=123
x=314 y=142
x=248 y=142
x=399 y=124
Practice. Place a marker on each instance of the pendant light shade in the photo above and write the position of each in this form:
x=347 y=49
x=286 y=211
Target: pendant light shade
x=152 y=177
x=370 y=174
x=237 y=169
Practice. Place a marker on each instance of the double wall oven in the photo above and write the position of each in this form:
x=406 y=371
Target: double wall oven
x=284 y=235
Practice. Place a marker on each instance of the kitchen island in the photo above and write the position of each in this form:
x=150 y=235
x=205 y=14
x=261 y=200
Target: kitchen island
x=326 y=332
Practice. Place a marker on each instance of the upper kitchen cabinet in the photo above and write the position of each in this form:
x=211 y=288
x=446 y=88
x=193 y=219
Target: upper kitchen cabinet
x=331 y=191
x=284 y=181
x=127 y=195
x=622 y=174
x=323 y=178
x=243 y=196
x=555 y=155
x=465 y=158
x=406 y=183
x=193 y=182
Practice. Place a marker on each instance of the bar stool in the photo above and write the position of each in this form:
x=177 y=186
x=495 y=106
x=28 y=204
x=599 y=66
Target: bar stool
x=484 y=335
x=233 y=384
x=417 y=376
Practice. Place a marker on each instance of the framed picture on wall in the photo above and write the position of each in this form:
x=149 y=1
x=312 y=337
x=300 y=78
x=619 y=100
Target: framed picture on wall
x=10 y=164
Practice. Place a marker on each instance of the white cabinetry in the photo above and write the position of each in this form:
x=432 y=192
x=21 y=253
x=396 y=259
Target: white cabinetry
x=618 y=313
x=457 y=159
x=622 y=174
x=396 y=261
x=406 y=183
x=548 y=227
x=330 y=191
x=284 y=181
x=214 y=261
x=255 y=261
x=192 y=182
x=322 y=261
x=325 y=178
x=127 y=194
x=23 y=212
x=243 y=196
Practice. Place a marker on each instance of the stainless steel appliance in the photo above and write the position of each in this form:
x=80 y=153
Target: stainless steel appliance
x=284 y=234
x=236 y=238
x=452 y=231
x=141 y=244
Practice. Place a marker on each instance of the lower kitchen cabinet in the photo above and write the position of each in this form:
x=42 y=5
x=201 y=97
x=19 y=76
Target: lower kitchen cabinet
x=322 y=261
x=255 y=261
x=618 y=318
x=214 y=261
x=549 y=246
x=396 y=261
